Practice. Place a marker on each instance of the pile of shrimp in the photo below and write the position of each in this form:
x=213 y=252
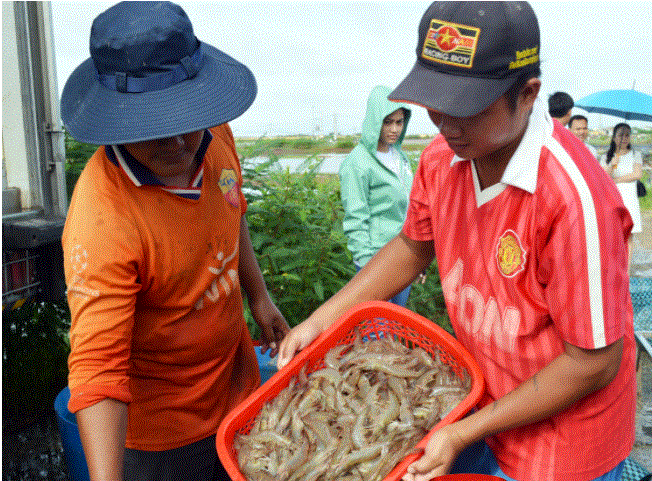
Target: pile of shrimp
x=354 y=419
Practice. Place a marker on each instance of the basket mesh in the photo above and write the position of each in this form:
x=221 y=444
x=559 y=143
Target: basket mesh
x=378 y=328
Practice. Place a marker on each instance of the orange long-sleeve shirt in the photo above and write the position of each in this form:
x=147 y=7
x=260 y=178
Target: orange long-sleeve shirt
x=153 y=289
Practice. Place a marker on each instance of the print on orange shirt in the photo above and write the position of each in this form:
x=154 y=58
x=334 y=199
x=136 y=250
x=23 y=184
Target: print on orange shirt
x=224 y=282
x=229 y=187
x=510 y=254
x=79 y=263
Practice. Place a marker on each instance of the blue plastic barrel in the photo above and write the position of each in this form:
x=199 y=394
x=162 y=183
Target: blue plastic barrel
x=72 y=446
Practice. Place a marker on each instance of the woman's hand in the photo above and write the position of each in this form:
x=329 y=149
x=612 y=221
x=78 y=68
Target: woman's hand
x=613 y=165
x=442 y=450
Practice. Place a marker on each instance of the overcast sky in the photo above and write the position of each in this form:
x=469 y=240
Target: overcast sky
x=315 y=62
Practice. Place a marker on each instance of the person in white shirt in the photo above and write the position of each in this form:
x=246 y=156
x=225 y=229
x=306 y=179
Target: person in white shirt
x=625 y=166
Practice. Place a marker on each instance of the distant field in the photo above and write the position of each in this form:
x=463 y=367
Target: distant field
x=299 y=146
x=304 y=146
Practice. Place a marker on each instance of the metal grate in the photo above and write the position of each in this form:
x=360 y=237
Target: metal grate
x=20 y=278
x=641 y=290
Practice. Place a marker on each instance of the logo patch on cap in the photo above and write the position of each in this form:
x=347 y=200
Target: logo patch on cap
x=450 y=43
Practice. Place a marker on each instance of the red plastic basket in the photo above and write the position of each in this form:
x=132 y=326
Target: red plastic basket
x=467 y=477
x=373 y=319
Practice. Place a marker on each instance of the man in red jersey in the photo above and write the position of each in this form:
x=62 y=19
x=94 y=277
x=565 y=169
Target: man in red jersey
x=530 y=239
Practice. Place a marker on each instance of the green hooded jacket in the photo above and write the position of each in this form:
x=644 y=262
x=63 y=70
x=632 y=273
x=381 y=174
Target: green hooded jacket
x=375 y=199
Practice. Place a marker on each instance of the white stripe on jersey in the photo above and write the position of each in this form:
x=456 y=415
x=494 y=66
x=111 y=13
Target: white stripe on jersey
x=594 y=268
x=124 y=166
x=180 y=191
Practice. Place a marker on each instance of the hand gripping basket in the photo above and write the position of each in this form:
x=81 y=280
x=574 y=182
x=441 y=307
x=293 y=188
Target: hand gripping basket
x=373 y=319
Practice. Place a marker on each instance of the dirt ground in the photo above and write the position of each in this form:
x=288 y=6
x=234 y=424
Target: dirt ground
x=645 y=237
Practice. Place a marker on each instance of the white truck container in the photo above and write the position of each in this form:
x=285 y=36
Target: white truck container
x=34 y=197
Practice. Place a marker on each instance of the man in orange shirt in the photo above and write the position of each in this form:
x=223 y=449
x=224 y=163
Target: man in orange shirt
x=157 y=248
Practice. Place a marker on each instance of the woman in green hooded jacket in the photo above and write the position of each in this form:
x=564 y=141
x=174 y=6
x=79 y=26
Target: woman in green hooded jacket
x=376 y=179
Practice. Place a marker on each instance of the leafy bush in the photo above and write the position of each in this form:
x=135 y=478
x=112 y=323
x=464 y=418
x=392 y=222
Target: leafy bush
x=427 y=299
x=304 y=143
x=295 y=222
x=646 y=202
x=77 y=154
x=35 y=349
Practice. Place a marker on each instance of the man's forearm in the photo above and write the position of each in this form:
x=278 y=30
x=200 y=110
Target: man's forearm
x=103 y=431
x=572 y=376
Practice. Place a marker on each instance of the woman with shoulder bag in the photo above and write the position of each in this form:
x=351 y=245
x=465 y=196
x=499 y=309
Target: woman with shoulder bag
x=625 y=167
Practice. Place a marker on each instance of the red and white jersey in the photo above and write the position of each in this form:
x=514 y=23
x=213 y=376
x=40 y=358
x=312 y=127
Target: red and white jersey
x=535 y=260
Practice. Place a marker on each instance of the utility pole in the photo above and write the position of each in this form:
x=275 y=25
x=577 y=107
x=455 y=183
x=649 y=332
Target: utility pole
x=335 y=126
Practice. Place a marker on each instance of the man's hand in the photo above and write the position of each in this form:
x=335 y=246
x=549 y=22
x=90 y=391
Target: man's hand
x=298 y=338
x=272 y=324
x=441 y=451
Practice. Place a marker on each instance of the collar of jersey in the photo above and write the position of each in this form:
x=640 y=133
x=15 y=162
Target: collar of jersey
x=141 y=175
x=522 y=169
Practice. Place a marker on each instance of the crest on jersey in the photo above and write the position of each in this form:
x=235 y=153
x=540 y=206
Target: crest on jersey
x=229 y=187
x=510 y=254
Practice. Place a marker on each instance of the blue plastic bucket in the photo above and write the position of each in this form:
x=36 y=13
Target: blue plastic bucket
x=266 y=364
x=72 y=446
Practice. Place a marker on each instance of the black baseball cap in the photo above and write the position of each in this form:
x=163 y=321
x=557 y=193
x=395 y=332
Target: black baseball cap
x=469 y=54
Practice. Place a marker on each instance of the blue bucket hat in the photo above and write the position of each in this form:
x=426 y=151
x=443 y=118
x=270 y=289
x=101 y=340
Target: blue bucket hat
x=149 y=77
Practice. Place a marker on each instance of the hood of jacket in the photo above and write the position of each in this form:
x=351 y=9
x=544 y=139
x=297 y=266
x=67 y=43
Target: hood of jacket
x=379 y=107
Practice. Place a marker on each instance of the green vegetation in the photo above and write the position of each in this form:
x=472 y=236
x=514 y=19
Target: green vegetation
x=77 y=154
x=600 y=139
x=34 y=356
x=347 y=143
x=295 y=220
x=304 y=146
x=646 y=202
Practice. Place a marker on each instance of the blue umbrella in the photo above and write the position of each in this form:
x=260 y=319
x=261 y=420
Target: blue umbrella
x=627 y=104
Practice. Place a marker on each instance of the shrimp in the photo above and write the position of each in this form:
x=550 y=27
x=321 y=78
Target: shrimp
x=297 y=459
x=353 y=419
